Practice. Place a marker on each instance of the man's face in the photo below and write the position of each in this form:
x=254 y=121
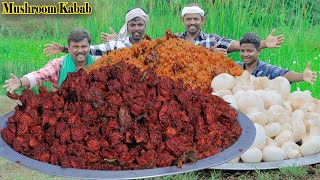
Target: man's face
x=136 y=29
x=249 y=53
x=79 y=51
x=192 y=22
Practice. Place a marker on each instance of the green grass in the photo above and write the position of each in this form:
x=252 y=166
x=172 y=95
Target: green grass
x=21 y=56
x=298 y=172
x=215 y=174
x=23 y=36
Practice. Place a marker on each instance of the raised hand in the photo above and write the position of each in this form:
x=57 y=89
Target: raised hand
x=105 y=37
x=52 y=49
x=308 y=75
x=12 y=84
x=274 y=41
x=218 y=50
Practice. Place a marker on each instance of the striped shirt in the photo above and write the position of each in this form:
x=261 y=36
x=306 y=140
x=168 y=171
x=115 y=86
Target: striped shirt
x=264 y=69
x=49 y=73
x=208 y=40
x=99 y=50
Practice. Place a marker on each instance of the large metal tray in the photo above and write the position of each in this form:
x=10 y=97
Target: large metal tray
x=307 y=160
x=241 y=145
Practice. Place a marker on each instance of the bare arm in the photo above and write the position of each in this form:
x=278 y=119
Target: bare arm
x=293 y=76
x=270 y=42
x=14 y=83
x=218 y=50
x=234 y=46
x=50 y=72
x=54 y=48
x=307 y=75
x=105 y=37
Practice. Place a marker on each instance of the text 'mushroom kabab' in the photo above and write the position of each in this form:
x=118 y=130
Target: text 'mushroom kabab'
x=121 y=118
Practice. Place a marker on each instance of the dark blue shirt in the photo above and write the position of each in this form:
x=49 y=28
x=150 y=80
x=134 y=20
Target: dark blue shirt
x=264 y=69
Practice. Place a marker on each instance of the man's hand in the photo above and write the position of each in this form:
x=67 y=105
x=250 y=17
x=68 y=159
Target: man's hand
x=105 y=37
x=308 y=75
x=52 y=49
x=274 y=41
x=218 y=50
x=12 y=84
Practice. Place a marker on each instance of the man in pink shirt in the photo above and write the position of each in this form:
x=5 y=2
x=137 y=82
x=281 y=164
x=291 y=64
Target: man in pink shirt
x=56 y=70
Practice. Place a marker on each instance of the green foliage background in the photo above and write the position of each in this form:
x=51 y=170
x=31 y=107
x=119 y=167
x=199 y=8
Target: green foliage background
x=23 y=36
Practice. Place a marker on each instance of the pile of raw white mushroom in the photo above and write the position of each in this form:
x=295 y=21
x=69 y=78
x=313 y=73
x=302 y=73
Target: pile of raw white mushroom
x=287 y=124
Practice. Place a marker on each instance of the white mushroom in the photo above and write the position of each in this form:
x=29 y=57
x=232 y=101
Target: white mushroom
x=235 y=160
x=252 y=155
x=222 y=93
x=272 y=129
x=286 y=126
x=283 y=137
x=298 y=98
x=292 y=153
x=287 y=107
x=241 y=87
x=278 y=114
x=311 y=146
x=293 y=145
x=281 y=85
x=271 y=153
x=232 y=100
x=243 y=83
x=259 y=117
x=271 y=98
x=250 y=102
x=298 y=126
x=308 y=107
x=223 y=81
x=317 y=110
x=261 y=83
x=314 y=131
x=260 y=140
x=291 y=150
x=271 y=142
x=281 y=119
x=311 y=119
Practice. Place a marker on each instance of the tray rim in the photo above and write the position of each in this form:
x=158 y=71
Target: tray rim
x=302 y=161
x=244 y=142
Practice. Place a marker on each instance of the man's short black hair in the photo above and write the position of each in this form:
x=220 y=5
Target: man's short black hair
x=78 y=35
x=251 y=38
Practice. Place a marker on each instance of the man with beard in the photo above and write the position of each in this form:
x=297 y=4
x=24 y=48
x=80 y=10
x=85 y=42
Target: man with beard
x=136 y=21
x=56 y=70
x=193 y=18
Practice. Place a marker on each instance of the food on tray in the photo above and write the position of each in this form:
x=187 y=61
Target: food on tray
x=175 y=58
x=287 y=124
x=119 y=118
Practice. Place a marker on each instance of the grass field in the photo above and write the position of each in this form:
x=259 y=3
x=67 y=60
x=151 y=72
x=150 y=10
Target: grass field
x=23 y=38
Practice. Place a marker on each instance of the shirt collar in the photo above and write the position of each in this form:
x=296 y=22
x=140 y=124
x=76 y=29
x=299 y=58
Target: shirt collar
x=203 y=35
x=260 y=64
x=127 y=42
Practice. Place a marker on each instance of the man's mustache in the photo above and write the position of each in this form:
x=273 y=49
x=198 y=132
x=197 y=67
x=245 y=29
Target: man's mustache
x=137 y=32
x=192 y=25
